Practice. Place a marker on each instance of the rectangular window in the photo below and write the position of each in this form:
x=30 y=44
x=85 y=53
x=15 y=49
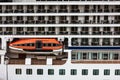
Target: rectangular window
x=95 y=71
x=73 y=72
x=18 y=71
x=29 y=71
x=50 y=71
x=117 y=71
x=61 y=71
x=39 y=71
x=85 y=72
x=106 y=72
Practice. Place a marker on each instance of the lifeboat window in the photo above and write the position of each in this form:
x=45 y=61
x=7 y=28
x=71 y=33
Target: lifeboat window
x=49 y=44
x=28 y=44
x=15 y=45
x=22 y=44
x=31 y=44
x=18 y=44
x=45 y=44
x=54 y=44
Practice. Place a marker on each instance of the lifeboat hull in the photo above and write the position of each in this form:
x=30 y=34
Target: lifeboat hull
x=21 y=51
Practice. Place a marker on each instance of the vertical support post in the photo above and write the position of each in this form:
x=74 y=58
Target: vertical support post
x=111 y=55
x=2 y=59
x=89 y=55
x=69 y=41
x=4 y=43
x=100 y=54
x=79 y=55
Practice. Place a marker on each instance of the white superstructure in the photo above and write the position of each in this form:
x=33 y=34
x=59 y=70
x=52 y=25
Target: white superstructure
x=89 y=29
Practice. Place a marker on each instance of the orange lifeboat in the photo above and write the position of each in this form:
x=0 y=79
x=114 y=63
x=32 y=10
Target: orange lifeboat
x=35 y=45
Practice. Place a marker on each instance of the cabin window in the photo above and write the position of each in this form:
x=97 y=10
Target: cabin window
x=95 y=71
x=39 y=71
x=29 y=71
x=50 y=71
x=117 y=71
x=18 y=71
x=73 y=72
x=61 y=71
x=106 y=72
x=85 y=72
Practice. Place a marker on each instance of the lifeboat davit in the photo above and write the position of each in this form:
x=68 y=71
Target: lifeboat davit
x=35 y=46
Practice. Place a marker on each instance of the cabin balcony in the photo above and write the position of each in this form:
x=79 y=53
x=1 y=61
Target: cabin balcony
x=74 y=33
x=41 y=11
x=8 y=33
x=51 y=22
x=74 y=22
x=63 y=22
x=1 y=32
x=19 y=22
x=30 y=22
x=19 y=11
x=63 y=32
x=8 y=22
x=95 y=43
x=107 y=33
x=40 y=22
x=29 y=33
x=0 y=10
x=83 y=43
x=20 y=33
x=75 y=43
x=63 y=11
x=51 y=32
x=116 y=43
x=75 y=11
x=30 y=11
x=51 y=11
x=1 y=21
x=96 y=33
x=8 y=11
x=84 y=32
x=97 y=62
x=40 y=33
